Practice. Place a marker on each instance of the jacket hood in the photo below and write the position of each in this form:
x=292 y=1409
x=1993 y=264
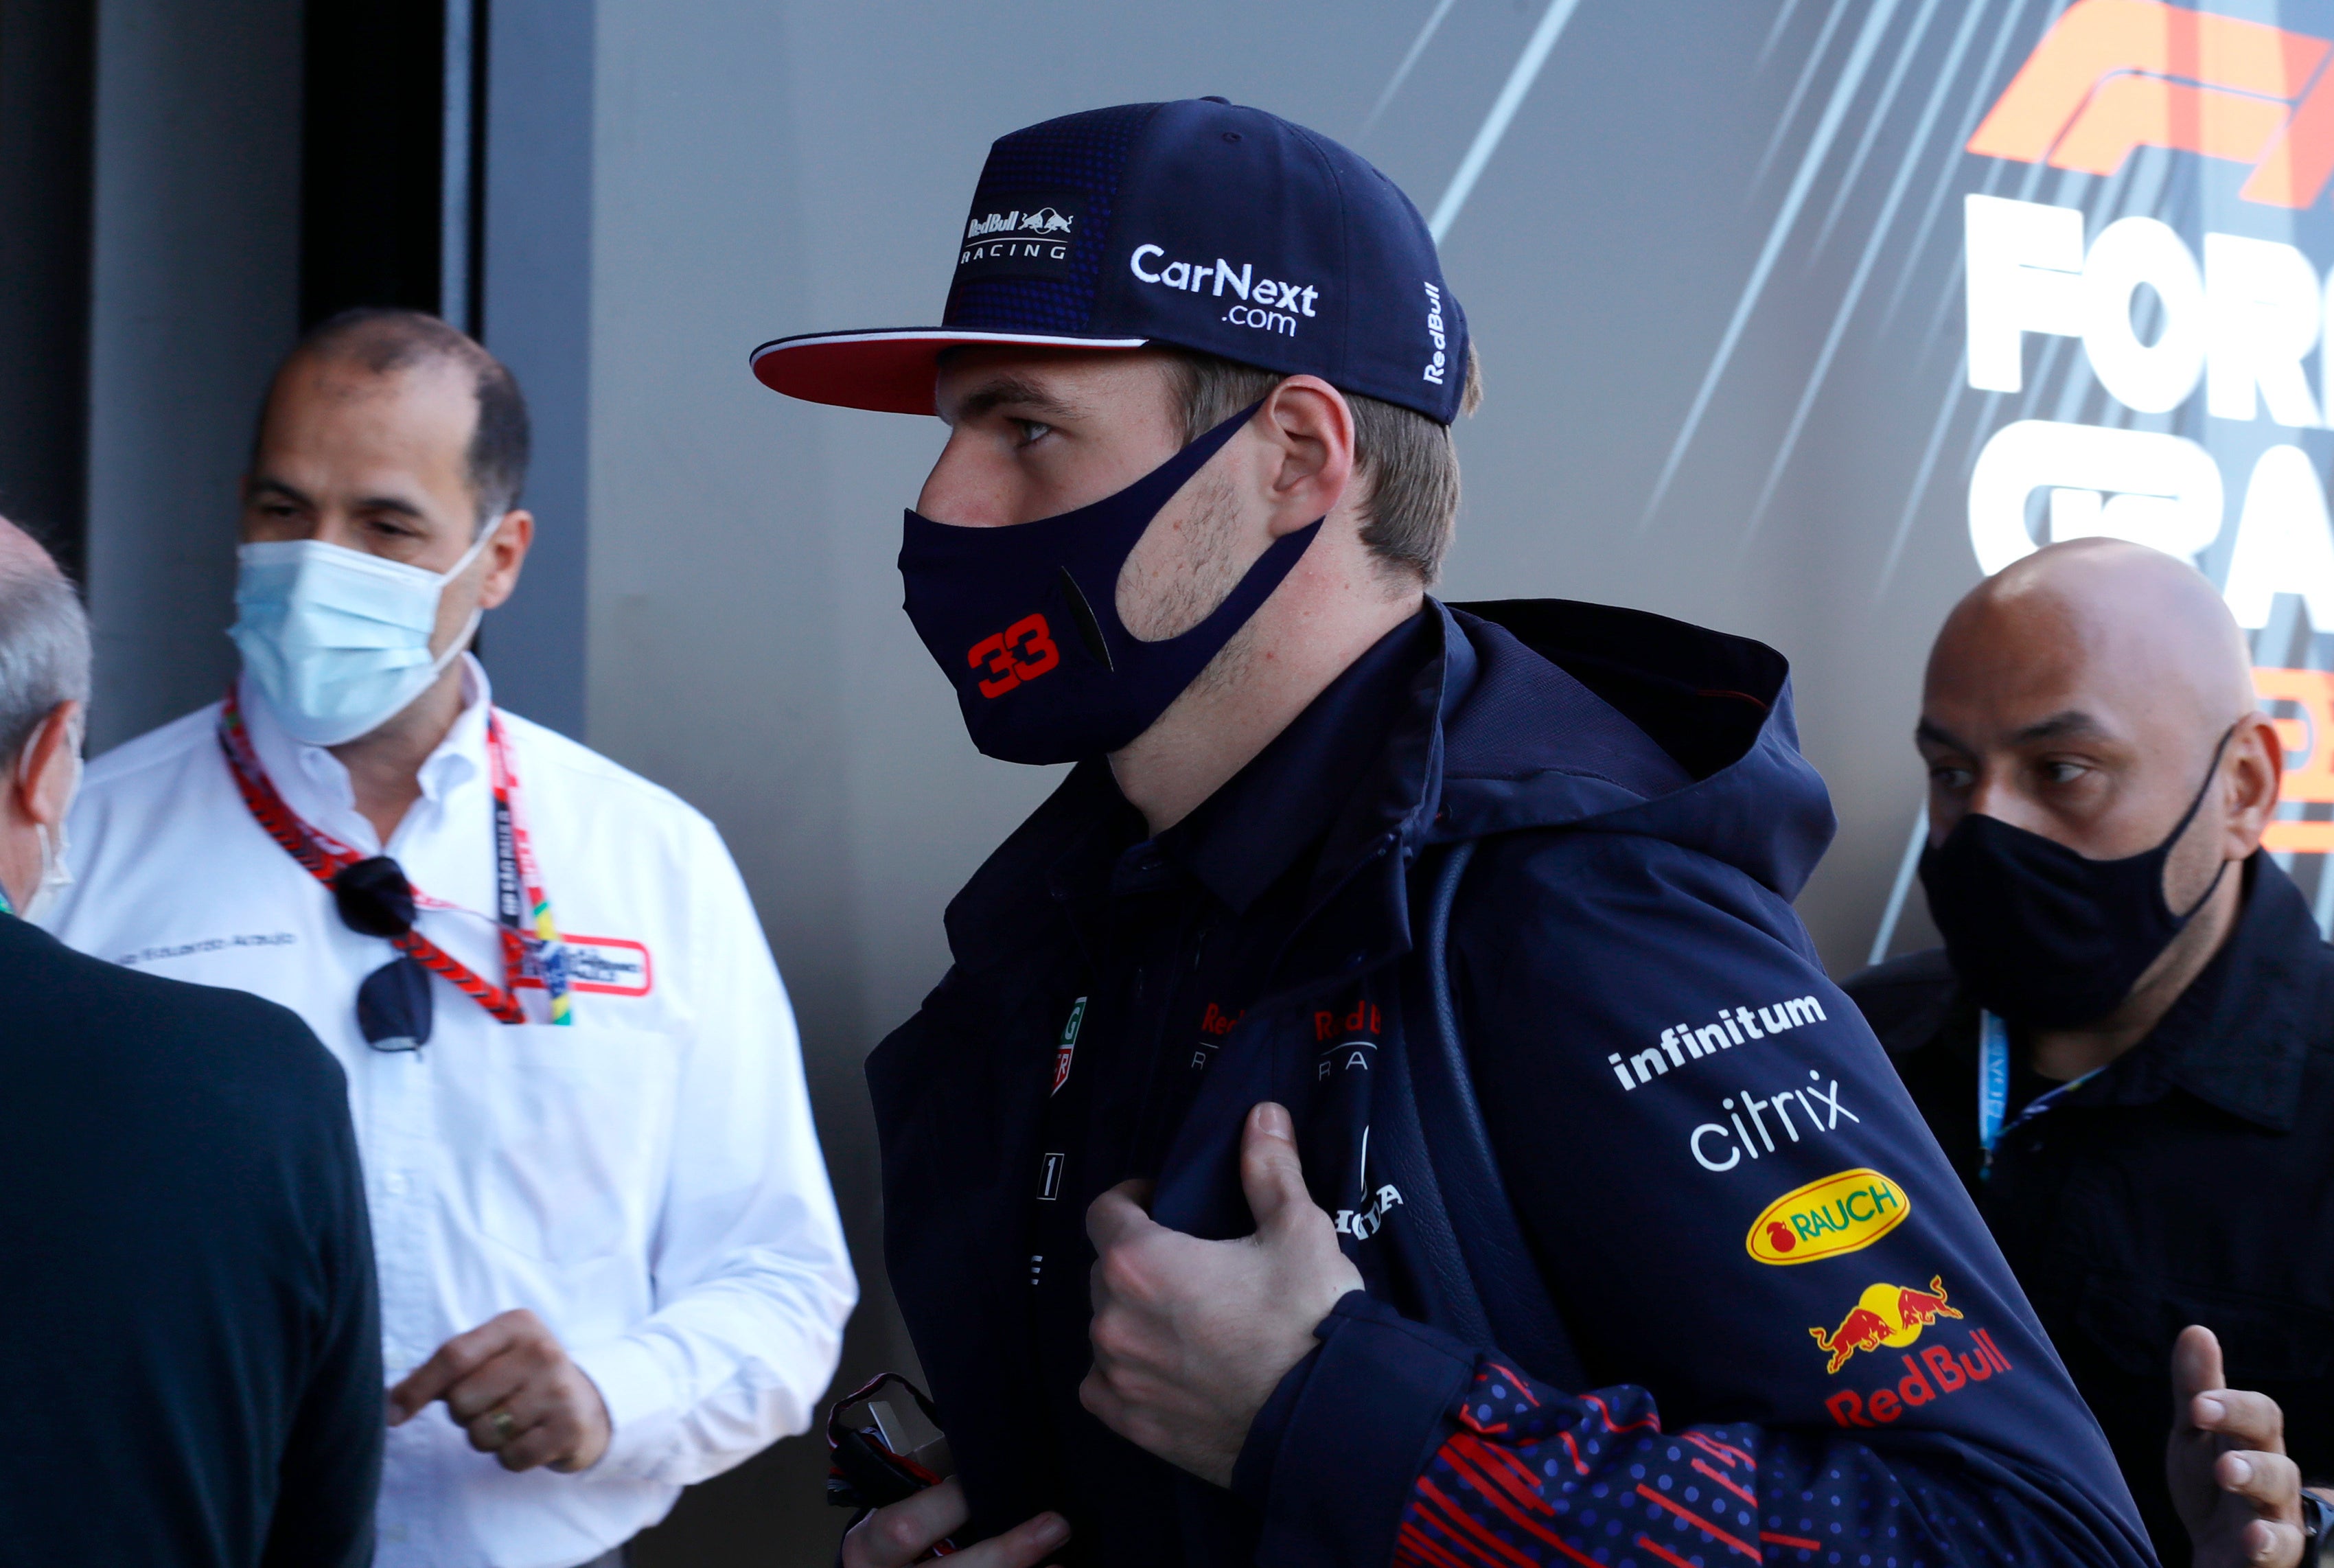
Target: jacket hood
x=1528 y=689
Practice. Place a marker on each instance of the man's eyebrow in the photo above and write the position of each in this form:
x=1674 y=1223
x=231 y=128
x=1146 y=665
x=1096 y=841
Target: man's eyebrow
x=278 y=488
x=396 y=503
x=2060 y=726
x=391 y=504
x=1001 y=389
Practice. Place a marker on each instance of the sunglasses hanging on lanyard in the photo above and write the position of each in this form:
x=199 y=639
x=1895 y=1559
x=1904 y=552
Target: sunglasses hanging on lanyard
x=374 y=898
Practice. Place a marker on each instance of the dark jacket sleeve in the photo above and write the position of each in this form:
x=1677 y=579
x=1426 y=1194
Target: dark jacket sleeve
x=1812 y=1348
x=329 y=1472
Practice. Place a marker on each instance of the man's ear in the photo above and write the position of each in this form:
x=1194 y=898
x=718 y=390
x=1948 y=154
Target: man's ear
x=2255 y=773
x=1310 y=427
x=514 y=535
x=41 y=790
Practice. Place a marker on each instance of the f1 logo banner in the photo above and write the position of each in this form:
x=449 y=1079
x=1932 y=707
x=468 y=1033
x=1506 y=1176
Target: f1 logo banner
x=2211 y=348
x=2113 y=75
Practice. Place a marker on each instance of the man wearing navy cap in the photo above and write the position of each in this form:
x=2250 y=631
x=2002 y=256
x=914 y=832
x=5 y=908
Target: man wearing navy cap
x=1382 y=1106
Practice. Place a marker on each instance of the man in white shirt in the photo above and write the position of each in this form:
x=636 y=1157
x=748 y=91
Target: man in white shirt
x=610 y=1263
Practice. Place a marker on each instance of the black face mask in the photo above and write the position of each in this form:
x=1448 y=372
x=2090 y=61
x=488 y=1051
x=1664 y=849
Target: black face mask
x=2044 y=936
x=1024 y=620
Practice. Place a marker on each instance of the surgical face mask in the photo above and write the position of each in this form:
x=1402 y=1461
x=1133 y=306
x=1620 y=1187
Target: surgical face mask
x=337 y=640
x=55 y=874
x=1024 y=620
x=2046 y=937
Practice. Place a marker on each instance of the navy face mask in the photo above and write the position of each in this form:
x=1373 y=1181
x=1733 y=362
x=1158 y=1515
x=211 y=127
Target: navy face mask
x=1023 y=619
x=2044 y=936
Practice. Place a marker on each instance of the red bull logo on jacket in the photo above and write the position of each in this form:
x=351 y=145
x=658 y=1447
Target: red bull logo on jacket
x=1892 y=1317
x=1843 y=1213
x=1884 y=1314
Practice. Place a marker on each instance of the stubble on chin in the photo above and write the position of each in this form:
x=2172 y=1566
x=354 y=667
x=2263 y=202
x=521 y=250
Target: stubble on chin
x=1180 y=572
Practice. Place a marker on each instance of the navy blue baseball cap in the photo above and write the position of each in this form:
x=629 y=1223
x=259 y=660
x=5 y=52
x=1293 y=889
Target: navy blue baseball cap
x=1199 y=224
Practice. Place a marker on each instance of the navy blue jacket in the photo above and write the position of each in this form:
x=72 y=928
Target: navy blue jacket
x=1617 y=1133
x=192 y=1368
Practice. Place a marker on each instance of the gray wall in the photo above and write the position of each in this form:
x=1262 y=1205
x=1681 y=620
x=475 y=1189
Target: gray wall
x=536 y=311
x=195 y=294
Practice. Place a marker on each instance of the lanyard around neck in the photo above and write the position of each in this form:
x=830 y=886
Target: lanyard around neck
x=530 y=939
x=1993 y=1090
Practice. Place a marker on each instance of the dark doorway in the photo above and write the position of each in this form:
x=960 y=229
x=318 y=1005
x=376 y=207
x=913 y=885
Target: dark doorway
x=47 y=80
x=388 y=157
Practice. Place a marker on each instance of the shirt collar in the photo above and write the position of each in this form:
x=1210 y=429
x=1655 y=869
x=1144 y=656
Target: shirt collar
x=2239 y=1037
x=315 y=784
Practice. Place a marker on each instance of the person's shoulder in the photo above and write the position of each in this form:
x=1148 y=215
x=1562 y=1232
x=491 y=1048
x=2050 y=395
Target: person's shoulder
x=125 y=765
x=1905 y=998
x=1616 y=878
x=1557 y=917
x=578 y=770
x=112 y=1010
x=266 y=1035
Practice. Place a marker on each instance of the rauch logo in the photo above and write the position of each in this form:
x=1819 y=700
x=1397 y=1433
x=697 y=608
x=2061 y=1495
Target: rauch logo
x=1843 y=1212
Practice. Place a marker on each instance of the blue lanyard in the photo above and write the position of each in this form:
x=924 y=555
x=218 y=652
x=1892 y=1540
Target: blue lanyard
x=1993 y=1088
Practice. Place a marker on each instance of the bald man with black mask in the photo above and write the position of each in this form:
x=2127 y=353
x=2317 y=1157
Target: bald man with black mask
x=2125 y=1045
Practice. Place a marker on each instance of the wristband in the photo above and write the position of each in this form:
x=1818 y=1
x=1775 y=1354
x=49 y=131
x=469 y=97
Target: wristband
x=2316 y=1530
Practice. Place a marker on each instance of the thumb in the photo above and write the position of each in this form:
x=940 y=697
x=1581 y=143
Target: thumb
x=1271 y=1173
x=2195 y=1370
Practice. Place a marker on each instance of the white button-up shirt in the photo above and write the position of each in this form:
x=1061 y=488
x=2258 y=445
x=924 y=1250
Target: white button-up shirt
x=647 y=1180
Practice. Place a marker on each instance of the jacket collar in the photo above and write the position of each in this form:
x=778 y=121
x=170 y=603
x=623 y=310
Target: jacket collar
x=1295 y=794
x=2239 y=1037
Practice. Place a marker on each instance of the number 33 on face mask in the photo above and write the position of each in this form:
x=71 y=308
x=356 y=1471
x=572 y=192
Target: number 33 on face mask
x=1059 y=573
x=1030 y=638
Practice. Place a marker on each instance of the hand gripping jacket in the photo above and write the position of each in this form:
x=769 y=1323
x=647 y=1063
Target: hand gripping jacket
x=1662 y=1265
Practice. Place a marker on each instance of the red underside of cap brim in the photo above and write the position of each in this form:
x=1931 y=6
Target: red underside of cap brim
x=888 y=370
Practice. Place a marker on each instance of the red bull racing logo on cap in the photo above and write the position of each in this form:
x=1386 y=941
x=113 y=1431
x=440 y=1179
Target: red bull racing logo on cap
x=1024 y=235
x=1843 y=1213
